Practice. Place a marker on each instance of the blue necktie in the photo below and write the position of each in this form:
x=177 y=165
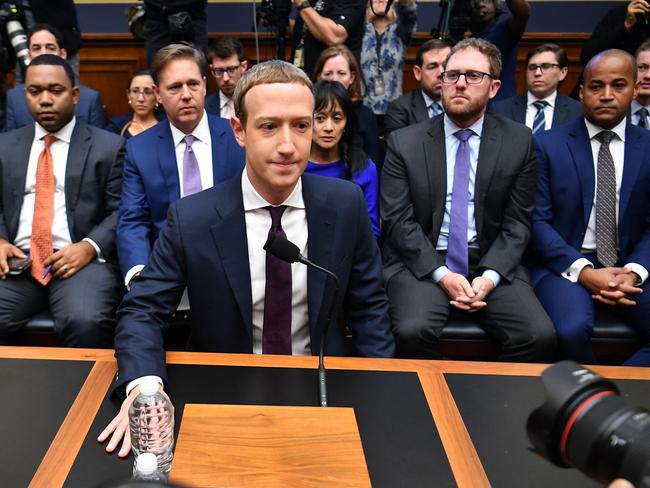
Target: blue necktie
x=434 y=109
x=457 y=247
x=539 y=123
x=643 y=117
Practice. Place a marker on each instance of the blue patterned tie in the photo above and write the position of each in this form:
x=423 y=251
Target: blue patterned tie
x=191 y=173
x=457 y=248
x=539 y=123
x=434 y=109
x=643 y=117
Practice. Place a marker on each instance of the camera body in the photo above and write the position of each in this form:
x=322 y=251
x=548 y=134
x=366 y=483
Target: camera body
x=13 y=37
x=586 y=424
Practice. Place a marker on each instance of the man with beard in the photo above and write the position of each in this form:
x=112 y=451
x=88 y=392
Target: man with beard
x=457 y=196
x=424 y=102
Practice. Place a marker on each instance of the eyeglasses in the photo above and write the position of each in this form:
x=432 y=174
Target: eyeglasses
x=136 y=92
x=643 y=68
x=219 y=72
x=544 y=67
x=471 y=77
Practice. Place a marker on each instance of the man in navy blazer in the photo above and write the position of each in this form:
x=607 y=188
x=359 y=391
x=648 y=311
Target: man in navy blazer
x=154 y=164
x=546 y=68
x=45 y=39
x=213 y=244
x=589 y=253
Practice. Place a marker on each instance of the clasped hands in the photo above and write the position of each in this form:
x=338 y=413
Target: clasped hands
x=466 y=296
x=611 y=286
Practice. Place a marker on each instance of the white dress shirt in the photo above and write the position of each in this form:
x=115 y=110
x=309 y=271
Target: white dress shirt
x=225 y=109
x=59 y=150
x=617 y=149
x=202 y=147
x=258 y=223
x=531 y=110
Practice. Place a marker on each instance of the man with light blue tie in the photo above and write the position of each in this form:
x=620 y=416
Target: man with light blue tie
x=640 y=108
x=457 y=196
x=423 y=103
x=188 y=152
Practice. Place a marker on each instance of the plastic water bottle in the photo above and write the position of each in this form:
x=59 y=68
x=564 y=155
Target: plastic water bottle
x=152 y=425
x=146 y=468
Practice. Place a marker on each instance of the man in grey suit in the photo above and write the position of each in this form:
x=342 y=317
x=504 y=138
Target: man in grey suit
x=457 y=196
x=60 y=184
x=424 y=102
x=542 y=106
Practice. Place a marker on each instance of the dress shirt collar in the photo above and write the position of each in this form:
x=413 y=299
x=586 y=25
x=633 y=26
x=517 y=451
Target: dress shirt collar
x=428 y=100
x=619 y=130
x=201 y=132
x=636 y=106
x=223 y=99
x=550 y=99
x=253 y=200
x=63 y=134
x=451 y=128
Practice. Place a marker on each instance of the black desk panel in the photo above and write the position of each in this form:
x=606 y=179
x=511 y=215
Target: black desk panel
x=495 y=410
x=35 y=396
x=399 y=437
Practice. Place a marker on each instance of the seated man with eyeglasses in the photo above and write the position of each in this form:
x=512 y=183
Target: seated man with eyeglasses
x=640 y=108
x=542 y=106
x=457 y=196
x=189 y=152
x=227 y=64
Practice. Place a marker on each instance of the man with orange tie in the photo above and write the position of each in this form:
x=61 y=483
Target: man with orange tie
x=60 y=183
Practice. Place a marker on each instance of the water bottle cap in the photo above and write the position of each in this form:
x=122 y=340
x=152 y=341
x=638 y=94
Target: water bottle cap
x=146 y=463
x=149 y=387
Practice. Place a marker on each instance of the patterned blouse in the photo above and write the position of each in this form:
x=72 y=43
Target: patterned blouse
x=383 y=55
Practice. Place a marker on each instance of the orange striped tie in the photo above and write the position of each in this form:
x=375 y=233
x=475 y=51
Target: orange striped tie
x=41 y=245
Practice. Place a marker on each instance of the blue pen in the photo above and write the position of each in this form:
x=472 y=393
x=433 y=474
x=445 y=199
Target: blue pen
x=46 y=272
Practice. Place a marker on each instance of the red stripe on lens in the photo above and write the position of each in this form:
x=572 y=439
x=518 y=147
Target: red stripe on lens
x=574 y=416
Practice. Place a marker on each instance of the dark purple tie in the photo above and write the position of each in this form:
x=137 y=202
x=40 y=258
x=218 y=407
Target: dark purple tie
x=457 y=249
x=276 y=332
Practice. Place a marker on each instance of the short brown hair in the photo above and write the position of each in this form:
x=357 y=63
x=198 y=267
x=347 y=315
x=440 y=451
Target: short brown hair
x=274 y=71
x=549 y=47
x=430 y=45
x=340 y=50
x=643 y=47
x=172 y=52
x=489 y=50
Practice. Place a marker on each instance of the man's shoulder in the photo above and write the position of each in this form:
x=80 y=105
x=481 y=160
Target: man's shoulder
x=406 y=99
x=496 y=121
x=98 y=135
x=498 y=106
x=11 y=136
x=217 y=124
x=16 y=93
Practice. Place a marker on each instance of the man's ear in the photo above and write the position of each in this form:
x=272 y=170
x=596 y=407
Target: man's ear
x=64 y=53
x=238 y=130
x=244 y=65
x=417 y=72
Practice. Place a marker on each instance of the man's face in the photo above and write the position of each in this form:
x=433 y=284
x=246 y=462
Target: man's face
x=226 y=72
x=181 y=91
x=428 y=75
x=643 y=74
x=277 y=137
x=608 y=90
x=50 y=96
x=465 y=103
x=44 y=42
x=483 y=12
x=545 y=79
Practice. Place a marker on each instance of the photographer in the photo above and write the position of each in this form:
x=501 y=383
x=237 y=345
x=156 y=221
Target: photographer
x=171 y=21
x=324 y=23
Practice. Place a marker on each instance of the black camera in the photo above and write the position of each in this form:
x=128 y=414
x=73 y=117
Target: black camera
x=586 y=424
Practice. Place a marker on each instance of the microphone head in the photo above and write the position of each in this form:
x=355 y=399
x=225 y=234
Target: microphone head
x=282 y=248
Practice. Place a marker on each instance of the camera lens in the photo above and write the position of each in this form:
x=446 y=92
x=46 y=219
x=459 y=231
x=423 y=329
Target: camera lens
x=586 y=424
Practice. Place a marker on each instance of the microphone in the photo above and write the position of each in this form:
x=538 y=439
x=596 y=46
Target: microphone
x=288 y=252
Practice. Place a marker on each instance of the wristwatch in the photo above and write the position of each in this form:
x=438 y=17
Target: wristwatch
x=303 y=5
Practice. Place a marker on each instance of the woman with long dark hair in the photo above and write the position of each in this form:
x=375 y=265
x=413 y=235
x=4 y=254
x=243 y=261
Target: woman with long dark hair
x=336 y=149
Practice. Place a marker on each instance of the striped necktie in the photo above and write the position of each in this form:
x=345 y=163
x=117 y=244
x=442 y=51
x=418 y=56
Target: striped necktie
x=539 y=123
x=643 y=117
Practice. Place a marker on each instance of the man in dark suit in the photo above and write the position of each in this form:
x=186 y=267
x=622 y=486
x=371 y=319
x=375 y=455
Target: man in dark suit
x=640 y=108
x=227 y=64
x=542 y=106
x=424 y=102
x=45 y=39
x=243 y=299
x=457 y=195
x=163 y=163
x=60 y=188
x=591 y=226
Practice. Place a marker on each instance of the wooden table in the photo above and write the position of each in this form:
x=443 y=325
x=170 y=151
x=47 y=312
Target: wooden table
x=453 y=393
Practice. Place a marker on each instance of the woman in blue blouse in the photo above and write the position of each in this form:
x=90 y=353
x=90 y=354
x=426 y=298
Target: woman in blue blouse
x=336 y=146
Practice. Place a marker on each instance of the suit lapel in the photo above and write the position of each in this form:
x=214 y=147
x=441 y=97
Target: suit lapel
x=167 y=161
x=321 y=215
x=488 y=155
x=218 y=150
x=435 y=157
x=18 y=175
x=418 y=107
x=519 y=109
x=230 y=238
x=634 y=155
x=80 y=143
x=580 y=148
